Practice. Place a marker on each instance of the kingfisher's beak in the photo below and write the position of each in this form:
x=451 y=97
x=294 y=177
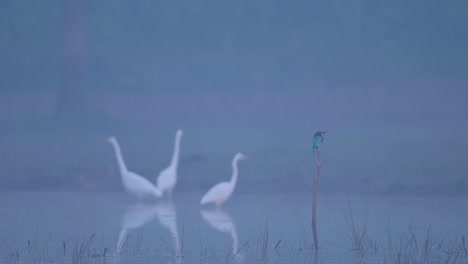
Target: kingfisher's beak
x=324 y=132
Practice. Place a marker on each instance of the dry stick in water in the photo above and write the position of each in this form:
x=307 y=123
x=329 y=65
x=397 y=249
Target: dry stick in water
x=314 y=201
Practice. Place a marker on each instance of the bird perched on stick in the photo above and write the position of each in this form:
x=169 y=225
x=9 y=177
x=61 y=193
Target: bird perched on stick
x=318 y=139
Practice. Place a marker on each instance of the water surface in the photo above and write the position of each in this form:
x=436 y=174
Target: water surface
x=57 y=226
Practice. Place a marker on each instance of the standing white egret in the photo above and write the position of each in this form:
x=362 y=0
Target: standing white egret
x=219 y=193
x=132 y=182
x=167 y=178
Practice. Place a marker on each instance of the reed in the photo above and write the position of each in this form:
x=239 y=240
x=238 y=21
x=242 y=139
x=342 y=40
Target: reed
x=407 y=249
x=410 y=246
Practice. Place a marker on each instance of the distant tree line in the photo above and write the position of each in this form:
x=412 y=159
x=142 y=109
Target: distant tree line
x=75 y=46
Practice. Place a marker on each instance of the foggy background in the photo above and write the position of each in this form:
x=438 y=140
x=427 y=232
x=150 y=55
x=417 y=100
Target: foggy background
x=387 y=79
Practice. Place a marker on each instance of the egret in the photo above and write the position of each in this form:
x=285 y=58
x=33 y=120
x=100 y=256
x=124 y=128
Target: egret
x=221 y=192
x=167 y=178
x=132 y=182
x=318 y=139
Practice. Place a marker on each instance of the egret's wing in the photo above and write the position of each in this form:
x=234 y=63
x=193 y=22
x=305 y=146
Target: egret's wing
x=139 y=184
x=167 y=179
x=217 y=192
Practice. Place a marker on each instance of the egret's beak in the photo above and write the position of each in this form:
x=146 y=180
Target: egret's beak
x=245 y=158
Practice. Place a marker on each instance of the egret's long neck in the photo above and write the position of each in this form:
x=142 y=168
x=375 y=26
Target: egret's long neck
x=119 y=157
x=175 y=154
x=234 y=171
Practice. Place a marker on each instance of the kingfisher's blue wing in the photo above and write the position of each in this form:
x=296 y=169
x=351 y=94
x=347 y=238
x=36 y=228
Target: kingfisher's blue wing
x=317 y=141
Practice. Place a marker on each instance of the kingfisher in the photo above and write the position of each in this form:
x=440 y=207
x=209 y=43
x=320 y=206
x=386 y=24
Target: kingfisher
x=318 y=139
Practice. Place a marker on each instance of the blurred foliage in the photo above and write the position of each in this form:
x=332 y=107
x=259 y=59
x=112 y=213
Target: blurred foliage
x=297 y=47
x=208 y=43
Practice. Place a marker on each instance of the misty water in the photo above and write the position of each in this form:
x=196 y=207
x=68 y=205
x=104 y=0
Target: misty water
x=386 y=79
x=44 y=227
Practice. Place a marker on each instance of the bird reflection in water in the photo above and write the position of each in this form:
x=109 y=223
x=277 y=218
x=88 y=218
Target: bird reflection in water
x=221 y=221
x=134 y=217
x=167 y=217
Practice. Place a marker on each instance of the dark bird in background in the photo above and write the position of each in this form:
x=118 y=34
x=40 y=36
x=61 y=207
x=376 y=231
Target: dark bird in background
x=318 y=139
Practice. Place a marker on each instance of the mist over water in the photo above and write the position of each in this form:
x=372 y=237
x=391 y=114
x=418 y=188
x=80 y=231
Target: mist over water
x=388 y=80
